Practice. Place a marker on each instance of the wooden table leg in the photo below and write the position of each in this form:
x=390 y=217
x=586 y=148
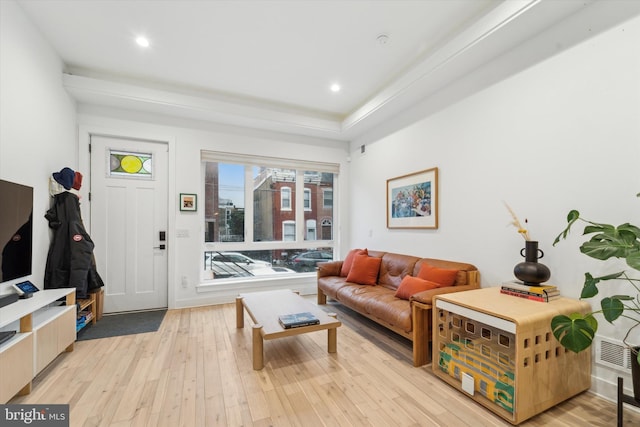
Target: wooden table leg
x=332 y=336
x=239 y=313
x=258 y=354
x=25 y=390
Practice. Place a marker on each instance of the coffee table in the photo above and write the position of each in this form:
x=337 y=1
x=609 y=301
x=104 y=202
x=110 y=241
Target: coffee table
x=264 y=309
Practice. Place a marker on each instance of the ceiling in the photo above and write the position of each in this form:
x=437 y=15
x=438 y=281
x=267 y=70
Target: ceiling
x=270 y=64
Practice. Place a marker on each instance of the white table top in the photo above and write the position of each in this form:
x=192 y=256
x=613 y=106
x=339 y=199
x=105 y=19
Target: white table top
x=23 y=307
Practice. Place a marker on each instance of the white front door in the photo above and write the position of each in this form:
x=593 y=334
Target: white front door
x=129 y=221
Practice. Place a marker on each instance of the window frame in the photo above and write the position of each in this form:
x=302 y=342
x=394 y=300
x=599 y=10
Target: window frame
x=283 y=190
x=324 y=198
x=307 y=198
x=300 y=166
x=284 y=229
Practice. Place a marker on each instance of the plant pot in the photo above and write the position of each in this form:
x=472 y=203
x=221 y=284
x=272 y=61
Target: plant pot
x=635 y=373
x=531 y=272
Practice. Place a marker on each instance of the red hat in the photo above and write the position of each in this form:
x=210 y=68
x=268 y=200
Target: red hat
x=77 y=181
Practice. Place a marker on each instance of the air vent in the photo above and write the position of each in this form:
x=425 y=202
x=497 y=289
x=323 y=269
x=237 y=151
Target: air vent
x=613 y=354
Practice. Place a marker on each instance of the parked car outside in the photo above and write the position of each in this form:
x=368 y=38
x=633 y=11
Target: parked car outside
x=308 y=261
x=229 y=264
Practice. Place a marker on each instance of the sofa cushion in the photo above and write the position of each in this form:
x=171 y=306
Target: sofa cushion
x=394 y=268
x=394 y=311
x=377 y=302
x=331 y=284
x=348 y=261
x=412 y=285
x=442 y=276
x=364 y=270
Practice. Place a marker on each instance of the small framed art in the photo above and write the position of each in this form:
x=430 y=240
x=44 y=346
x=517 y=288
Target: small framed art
x=412 y=200
x=188 y=202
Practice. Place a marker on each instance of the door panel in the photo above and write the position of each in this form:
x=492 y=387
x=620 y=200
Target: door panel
x=128 y=212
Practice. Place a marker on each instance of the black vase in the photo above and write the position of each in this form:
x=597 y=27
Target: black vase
x=531 y=272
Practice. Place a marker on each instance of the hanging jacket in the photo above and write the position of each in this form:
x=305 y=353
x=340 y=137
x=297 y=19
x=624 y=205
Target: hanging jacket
x=70 y=262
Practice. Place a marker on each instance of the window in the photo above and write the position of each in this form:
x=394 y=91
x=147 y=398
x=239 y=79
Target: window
x=285 y=198
x=307 y=199
x=251 y=209
x=130 y=164
x=289 y=231
x=327 y=199
x=224 y=187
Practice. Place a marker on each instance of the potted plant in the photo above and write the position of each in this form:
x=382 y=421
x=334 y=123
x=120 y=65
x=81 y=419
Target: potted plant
x=576 y=332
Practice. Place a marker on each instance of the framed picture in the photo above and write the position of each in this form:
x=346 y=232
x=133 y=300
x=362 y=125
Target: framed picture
x=412 y=200
x=188 y=202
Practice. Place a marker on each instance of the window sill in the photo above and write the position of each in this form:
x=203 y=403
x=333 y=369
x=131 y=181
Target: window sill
x=252 y=284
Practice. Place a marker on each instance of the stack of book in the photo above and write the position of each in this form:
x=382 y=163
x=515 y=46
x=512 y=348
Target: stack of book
x=297 y=320
x=542 y=293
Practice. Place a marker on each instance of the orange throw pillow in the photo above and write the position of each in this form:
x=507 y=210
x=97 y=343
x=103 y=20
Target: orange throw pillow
x=348 y=261
x=412 y=285
x=441 y=276
x=364 y=270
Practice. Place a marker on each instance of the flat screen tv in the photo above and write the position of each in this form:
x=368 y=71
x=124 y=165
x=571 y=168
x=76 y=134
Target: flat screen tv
x=16 y=229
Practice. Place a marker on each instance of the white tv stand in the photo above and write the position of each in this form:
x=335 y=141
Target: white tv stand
x=44 y=331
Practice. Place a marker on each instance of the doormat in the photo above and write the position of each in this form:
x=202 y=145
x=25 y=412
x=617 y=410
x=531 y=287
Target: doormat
x=113 y=325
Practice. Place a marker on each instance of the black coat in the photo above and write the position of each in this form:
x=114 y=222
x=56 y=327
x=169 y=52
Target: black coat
x=70 y=262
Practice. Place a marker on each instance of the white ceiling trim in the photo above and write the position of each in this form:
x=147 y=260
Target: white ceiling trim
x=501 y=30
x=103 y=92
x=471 y=38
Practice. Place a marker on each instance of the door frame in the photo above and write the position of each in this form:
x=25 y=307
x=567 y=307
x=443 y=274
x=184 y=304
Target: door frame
x=84 y=166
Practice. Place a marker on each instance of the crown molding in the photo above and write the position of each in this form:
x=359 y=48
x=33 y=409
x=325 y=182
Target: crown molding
x=91 y=90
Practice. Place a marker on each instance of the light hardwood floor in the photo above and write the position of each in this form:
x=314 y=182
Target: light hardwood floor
x=197 y=371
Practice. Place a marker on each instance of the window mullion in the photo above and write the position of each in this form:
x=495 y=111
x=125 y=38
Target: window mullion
x=248 y=203
x=300 y=224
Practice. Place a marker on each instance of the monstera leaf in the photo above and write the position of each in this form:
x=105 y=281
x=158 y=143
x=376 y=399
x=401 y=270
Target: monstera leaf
x=618 y=242
x=575 y=332
x=590 y=288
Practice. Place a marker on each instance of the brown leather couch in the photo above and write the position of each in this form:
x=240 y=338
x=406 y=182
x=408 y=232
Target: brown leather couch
x=409 y=318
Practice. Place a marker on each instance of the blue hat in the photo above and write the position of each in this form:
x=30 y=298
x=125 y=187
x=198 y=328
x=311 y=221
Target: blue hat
x=65 y=177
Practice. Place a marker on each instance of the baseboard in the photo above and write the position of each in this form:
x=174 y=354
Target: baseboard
x=609 y=391
x=228 y=295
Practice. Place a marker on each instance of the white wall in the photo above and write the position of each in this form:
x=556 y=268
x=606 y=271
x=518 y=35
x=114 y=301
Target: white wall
x=37 y=120
x=186 y=139
x=560 y=135
x=563 y=134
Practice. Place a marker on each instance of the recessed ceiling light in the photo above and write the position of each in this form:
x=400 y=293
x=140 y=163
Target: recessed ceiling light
x=142 y=41
x=335 y=87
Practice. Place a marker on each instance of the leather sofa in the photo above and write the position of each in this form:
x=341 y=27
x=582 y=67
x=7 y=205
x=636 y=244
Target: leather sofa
x=412 y=317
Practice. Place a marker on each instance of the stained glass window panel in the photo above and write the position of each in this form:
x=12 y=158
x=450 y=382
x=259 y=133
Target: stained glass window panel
x=123 y=163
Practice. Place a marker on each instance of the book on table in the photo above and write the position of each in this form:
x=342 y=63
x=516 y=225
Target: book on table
x=535 y=290
x=296 y=320
x=530 y=297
